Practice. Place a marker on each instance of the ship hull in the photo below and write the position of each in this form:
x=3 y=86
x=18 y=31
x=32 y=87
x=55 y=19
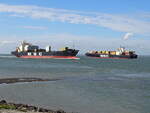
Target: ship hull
x=105 y=56
x=52 y=57
x=46 y=55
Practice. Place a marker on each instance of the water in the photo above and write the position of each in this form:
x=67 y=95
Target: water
x=87 y=85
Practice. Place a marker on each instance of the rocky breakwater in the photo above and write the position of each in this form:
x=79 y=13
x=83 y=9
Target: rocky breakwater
x=6 y=107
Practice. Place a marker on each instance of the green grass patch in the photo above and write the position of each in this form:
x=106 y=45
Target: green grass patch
x=7 y=106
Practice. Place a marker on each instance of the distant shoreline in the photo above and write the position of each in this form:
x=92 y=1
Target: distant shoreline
x=28 y=79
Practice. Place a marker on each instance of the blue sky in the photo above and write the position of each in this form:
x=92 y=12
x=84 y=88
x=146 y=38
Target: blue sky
x=89 y=24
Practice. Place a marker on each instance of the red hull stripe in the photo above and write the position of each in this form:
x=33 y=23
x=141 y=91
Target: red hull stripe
x=54 y=57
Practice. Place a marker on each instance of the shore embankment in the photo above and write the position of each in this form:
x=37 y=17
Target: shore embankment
x=6 y=107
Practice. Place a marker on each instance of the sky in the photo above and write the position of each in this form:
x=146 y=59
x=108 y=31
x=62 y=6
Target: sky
x=87 y=24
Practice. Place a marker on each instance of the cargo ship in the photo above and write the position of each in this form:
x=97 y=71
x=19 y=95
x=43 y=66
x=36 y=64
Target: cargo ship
x=121 y=53
x=27 y=50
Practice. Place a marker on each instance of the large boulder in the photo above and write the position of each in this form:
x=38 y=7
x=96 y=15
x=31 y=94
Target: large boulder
x=60 y=111
x=3 y=102
x=43 y=110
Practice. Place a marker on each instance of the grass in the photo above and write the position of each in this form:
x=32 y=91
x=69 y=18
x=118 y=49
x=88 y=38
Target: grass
x=11 y=107
x=3 y=106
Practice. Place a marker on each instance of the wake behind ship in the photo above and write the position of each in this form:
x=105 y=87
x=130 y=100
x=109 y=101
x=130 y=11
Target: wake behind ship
x=27 y=50
x=121 y=53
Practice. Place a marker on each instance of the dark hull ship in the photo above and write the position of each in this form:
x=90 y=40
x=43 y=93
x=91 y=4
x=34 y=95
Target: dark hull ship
x=27 y=50
x=121 y=53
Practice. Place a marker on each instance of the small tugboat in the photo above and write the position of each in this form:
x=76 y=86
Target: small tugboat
x=121 y=53
x=27 y=50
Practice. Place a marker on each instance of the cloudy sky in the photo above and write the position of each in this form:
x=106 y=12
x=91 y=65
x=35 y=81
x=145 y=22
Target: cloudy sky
x=87 y=24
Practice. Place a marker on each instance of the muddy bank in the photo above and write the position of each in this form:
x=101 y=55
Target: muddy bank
x=17 y=80
x=6 y=107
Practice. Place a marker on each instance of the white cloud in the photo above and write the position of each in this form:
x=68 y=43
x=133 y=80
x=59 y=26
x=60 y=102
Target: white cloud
x=111 y=21
x=127 y=36
x=3 y=42
x=35 y=27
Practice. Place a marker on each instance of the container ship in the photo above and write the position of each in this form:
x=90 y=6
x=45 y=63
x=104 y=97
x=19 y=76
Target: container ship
x=27 y=50
x=121 y=53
